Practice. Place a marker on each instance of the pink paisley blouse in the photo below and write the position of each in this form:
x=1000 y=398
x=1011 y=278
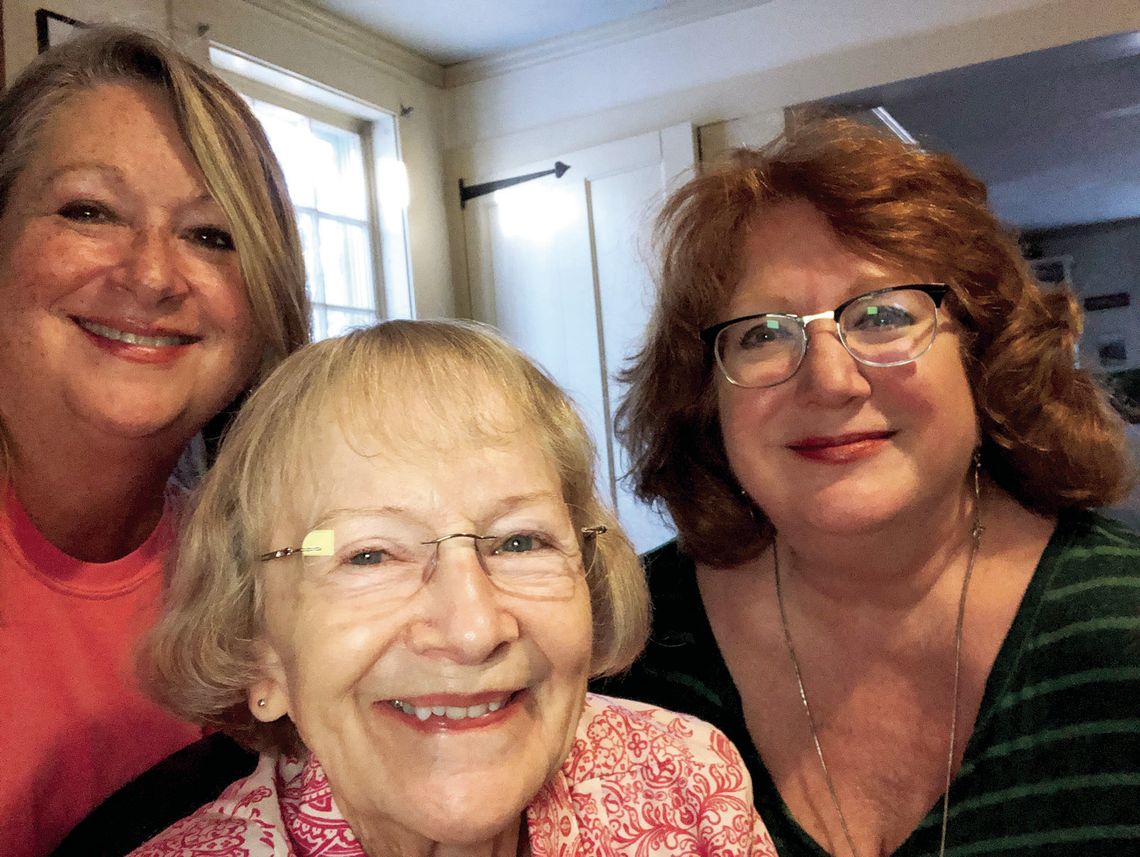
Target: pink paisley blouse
x=638 y=781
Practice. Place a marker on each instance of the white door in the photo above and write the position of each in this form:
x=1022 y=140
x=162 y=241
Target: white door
x=562 y=268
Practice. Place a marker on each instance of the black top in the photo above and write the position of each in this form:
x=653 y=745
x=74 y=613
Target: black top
x=1053 y=764
x=160 y=796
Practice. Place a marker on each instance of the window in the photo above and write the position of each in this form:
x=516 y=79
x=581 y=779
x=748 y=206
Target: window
x=349 y=189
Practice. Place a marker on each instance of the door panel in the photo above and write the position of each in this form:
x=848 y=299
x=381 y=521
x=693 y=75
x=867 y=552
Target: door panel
x=560 y=266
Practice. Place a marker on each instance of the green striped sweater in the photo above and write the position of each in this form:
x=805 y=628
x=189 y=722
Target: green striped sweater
x=1053 y=765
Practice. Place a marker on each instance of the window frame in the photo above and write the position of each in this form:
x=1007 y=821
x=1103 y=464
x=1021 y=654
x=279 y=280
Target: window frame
x=388 y=236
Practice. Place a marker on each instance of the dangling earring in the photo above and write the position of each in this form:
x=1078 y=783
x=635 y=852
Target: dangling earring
x=976 y=532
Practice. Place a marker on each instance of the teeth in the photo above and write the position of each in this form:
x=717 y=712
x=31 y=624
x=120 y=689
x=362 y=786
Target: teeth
x=449 y=711
x=133 y=338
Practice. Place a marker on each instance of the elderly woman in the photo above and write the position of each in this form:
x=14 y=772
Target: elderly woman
x=149 y=271
x=395 y=583
x=864 y=418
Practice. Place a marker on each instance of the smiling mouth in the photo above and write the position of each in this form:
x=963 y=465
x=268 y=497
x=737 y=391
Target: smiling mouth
x=165 y=341
x=452 y=712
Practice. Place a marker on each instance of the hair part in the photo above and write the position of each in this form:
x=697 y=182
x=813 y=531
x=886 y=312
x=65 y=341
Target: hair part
x=225 y=140
x=203 y=654
x=1049 y=437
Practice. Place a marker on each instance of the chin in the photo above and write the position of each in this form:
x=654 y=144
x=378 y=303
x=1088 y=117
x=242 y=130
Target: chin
x=142 y=426
x=138 y=418
x=851 y=512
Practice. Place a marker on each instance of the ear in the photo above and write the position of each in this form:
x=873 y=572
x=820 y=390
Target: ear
x=268 y=696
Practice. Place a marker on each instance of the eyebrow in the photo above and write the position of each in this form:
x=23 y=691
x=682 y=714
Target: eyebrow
x=500 y=508
x=113 y=173
x=110 y=170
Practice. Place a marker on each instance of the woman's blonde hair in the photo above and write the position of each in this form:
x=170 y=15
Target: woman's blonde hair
x=1049 y=437
x=225 y=139
x=202 y=656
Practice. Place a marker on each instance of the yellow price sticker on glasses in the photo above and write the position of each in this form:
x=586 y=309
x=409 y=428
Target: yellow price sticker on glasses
x=318 y=543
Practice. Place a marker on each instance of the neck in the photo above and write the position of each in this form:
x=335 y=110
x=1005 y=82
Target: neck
x=511 y=842
x=95 y=498
x=892 y=567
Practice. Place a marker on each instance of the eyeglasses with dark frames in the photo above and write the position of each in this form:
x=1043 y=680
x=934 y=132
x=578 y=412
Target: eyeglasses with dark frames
x=884 y=327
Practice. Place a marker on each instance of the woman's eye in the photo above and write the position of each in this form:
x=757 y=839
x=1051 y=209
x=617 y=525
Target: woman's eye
x=880 y=316
x=212 y=237
x=764 y=333
x=372 y=556
x=519 y=543
x=85 y=212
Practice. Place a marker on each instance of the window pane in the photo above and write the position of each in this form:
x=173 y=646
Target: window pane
x=289 y=135
x=307 y=226
x=341 y=188
x=346 y=265
x=339 y=321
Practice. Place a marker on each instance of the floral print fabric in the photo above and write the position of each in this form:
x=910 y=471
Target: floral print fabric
x=638 y=782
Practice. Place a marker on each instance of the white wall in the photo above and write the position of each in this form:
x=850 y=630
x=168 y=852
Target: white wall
x=254 y=30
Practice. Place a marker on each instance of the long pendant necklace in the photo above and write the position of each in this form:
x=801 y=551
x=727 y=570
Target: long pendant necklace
x=975 y=541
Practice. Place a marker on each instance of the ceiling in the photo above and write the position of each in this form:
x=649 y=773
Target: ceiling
x=454 y=31
x=1055 y=134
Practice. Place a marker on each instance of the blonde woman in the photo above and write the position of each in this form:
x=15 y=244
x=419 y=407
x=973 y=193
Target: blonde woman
x=395 y=584
x=150 y=271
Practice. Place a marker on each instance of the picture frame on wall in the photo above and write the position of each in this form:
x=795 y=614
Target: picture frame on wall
x=53 y=28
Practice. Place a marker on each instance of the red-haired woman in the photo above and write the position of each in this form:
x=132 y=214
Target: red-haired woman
x=864 y=418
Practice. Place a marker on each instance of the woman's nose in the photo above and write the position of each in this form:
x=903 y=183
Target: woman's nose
x=463 y=618
x=150 y=269
x=830 y=376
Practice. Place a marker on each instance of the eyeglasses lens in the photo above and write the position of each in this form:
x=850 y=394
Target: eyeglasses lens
x=884 y=329
x=761 y=352
x=889 y=329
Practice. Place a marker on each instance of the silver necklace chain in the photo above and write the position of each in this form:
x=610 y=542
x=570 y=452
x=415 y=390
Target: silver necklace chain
x=975 y=542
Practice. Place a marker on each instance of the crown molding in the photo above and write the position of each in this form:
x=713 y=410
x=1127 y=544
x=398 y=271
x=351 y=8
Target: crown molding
x=363 y=43
x=647 y=23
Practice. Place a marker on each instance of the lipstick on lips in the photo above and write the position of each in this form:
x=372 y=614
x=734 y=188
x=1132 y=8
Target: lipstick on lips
x=840 y=448
x=140 y=343
x=453 y=712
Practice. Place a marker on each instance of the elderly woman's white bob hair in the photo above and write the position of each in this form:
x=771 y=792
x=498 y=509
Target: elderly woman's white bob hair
x=202 y=656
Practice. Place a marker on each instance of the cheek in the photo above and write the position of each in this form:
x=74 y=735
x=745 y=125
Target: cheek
x=933 y=408
x=41 y=267
x=336 y=647
x=222 y=294
x=228 y=310
x=564 y=634
x=745 y=418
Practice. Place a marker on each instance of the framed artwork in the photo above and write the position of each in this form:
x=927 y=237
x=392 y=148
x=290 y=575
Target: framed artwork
x=53 y=28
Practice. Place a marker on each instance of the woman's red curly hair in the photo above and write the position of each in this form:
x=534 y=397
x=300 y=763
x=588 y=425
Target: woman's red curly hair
x=1049 y=437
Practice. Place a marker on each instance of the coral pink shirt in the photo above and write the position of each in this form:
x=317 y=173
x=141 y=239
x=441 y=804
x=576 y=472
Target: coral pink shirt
x=74 y=725
x=638 y=781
